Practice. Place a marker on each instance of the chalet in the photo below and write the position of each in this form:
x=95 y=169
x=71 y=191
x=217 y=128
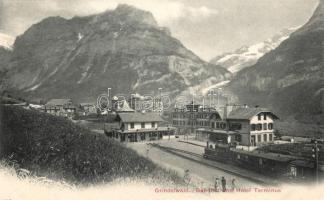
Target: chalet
x=240 y=125
x=136 y=127
x=60 y=107
x=254 y=125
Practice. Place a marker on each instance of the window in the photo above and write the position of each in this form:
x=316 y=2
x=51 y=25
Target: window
x=265 y=126
x=270 y=137
x=132 y=125
x=265 y=138
x=213 y=124
x=270 y=126
x=259 y=127
x=265 y=116
x=253 y=127
x=259 y=138
x=235 y=126
x=259 y=117
x=217 y=124
x=238 y=138
x=143 y=125
x=153 y=124
x=223 y=126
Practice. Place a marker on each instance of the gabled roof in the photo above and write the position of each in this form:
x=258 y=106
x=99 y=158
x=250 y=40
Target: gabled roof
x=140 y=117
x=248 y=113
x=125 y=107
x=59 y=102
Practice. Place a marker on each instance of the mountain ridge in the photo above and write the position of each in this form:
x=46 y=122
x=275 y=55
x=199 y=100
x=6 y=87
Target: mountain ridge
x=123 y=49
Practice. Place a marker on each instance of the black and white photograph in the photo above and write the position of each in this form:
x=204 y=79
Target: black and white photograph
x=161 y=99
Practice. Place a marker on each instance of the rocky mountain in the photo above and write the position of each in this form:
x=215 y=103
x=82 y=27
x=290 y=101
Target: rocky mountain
x=247 y=56
x=6 y=41
x=123 y=49
x=4 y=58
x=289 y=79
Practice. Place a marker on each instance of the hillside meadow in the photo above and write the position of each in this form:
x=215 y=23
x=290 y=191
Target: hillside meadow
x=56 y=148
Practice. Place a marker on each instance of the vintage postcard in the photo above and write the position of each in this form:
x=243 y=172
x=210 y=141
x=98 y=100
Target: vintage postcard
x=161 y=99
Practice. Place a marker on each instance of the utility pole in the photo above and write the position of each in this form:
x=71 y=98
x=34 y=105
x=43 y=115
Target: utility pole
x=315 y=156
x=211 y=95
x=160 y=101
x=218 y=94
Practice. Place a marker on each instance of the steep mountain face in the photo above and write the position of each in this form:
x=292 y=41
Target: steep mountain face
x=289 y=79
x=5 y=55
x=123 y=49
x=247 y=56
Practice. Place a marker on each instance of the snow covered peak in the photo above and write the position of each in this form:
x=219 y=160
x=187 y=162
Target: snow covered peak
x=247 y=56
x=6 y=41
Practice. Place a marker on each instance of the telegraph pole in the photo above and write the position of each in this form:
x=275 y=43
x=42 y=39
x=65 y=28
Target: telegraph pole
x=315 y=156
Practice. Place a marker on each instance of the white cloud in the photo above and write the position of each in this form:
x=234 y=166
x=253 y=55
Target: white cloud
x=163 y=11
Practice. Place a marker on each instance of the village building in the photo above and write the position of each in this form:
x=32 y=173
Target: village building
x=87 y=108
x=123 y=107
x=146 y=103
x=60 y=107
x=189 y=119
x=137 y=127
x=254 y=125
x=232 y=125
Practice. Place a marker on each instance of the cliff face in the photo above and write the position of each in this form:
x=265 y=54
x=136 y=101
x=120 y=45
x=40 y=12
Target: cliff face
x=5 y=55
x=123 y=49
x=290 y=78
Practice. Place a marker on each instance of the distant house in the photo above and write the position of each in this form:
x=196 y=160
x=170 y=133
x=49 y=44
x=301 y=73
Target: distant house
x=88 y=108
x=136 y=127
x=151 y=104
x=123 y=107
x=60 y=107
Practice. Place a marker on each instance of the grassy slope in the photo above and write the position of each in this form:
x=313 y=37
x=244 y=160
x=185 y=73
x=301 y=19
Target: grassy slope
x=55 y=147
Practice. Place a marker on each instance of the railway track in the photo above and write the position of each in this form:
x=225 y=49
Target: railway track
x=214 y=164
x=177 y=150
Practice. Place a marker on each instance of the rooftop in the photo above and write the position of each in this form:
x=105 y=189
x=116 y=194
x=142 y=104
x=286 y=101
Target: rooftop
x=140 y=117
x=148 y=130
x=59 y=102
x=217 y=131
x=248 y=113
x=124 y=107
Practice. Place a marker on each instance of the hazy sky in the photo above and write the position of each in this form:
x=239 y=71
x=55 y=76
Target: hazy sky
x=207 y=27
